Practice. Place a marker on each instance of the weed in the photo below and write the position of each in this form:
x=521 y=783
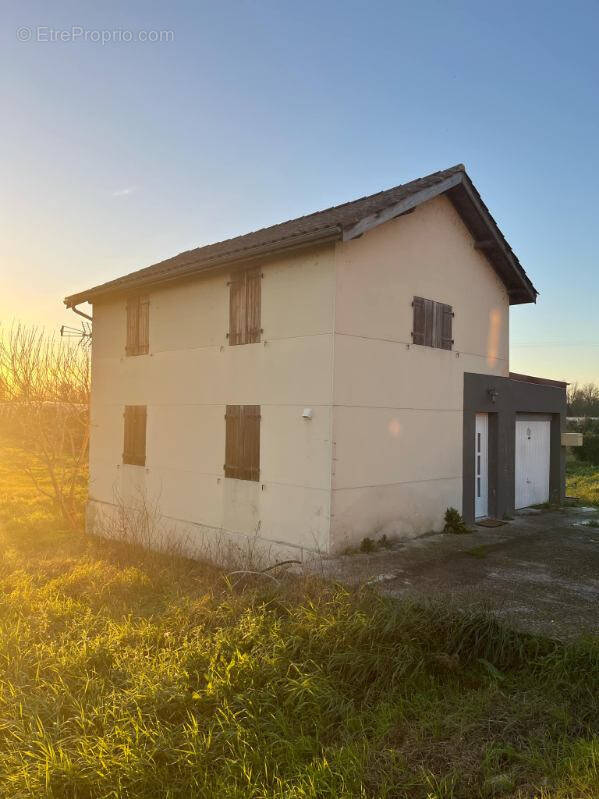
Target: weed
x=454 y=522
x=477 y=552
x=367 y=545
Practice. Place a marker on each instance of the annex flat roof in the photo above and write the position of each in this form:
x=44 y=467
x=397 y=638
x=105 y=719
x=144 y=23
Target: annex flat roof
x=340 y=223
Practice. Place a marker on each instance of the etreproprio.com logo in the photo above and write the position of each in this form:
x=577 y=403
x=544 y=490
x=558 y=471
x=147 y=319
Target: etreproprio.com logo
x=77 y=33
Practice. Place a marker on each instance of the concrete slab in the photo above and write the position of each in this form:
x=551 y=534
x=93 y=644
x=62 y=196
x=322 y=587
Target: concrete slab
x=539 y=573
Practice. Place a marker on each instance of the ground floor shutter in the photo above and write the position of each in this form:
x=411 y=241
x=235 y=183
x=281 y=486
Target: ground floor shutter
x=242 y=442
x=134 y=436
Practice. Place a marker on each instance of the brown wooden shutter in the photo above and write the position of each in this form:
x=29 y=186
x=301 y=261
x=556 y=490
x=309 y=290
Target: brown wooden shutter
x=446 y=328
x=128 y=434
x=429 y=323
x=251 y=442
x=134 y=443
x=432 y=323
x=424 y=321
x=140 y=434
x=143 y=326
x=437 y=324
x=132 y=326
x=418 y=321
x=233 y=440
x=242 y=442
x=245 y=289
x=237 y=305
x=253 y=307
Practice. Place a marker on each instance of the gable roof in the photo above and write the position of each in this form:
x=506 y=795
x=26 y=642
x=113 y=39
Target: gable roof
x=341 y=223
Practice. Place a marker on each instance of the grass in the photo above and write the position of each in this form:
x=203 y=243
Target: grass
x=582 y=481
x=477 y=552
x=129 y=674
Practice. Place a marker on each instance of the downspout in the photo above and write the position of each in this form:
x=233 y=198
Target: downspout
x=81 y=313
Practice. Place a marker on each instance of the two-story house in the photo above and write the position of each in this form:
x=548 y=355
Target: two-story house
x=341 y=375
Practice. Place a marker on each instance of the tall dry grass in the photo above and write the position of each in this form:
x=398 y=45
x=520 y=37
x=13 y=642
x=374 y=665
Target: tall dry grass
x=44 y=410
x=133 y=675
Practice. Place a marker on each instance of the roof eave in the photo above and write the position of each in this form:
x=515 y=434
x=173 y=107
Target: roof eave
x=196 y=266
x=456 y=185
x=485 y=231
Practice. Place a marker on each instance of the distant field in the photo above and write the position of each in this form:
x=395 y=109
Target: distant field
x=128 y=674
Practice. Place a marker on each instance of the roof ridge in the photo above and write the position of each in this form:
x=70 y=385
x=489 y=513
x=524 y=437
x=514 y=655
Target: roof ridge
x=445 y=172
x=326 y=225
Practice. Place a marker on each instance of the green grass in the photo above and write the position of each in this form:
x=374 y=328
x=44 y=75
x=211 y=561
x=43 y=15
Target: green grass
x=477 y=552
x=582 y=481
x=127 y=674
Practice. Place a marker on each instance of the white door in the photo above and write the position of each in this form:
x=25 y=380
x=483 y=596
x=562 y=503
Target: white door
x=481 y=466
x=532 y=461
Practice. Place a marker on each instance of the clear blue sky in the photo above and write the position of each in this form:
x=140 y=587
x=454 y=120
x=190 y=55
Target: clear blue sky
x=118 y=155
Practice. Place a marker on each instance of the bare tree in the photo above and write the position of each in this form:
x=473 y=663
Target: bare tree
x=44 y=388
x=583 y=400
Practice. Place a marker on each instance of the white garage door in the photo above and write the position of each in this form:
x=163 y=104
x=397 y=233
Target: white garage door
x=532 y=461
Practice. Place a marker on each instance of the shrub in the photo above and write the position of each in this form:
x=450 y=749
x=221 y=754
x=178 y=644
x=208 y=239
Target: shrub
x=454 y=522
x=589 y=452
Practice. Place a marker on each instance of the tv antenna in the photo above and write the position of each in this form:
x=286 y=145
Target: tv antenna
x=83 y=333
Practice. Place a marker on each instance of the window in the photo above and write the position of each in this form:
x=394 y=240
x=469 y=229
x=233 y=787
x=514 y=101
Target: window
x=134 y=446
x=138 y=325
x=244 y=307
x=242 y=447
x=433 y=323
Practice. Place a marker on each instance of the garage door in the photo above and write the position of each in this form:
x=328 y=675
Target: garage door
x=532 y=461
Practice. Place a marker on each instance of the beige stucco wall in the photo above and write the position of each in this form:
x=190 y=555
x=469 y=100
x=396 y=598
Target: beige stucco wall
x=397 y=419
x=383 y=451
x=186 y=381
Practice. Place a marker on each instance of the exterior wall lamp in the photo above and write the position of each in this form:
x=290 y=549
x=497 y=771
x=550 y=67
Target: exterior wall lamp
x=492 y=394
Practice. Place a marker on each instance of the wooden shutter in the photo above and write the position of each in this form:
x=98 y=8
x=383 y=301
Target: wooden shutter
x=132 y=326
x=429 y=323
x=424 y=320
x=253 y=307
x=245 y=289
x=237 y=305
x=251 y=442
x=134 y=439
x=143 y=326
x=418 y=321
x=446 y=327
x=128 y=434
x=138 y=325
x=233 y=440
x=433 y=322
x=242 y=442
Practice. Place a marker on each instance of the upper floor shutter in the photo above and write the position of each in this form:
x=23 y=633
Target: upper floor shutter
x=446 y=327
x=245 y=289
x=253 y=306
x=138 y=325
x=237 y=309
x=132 y=326
x=143 y=325
x=432 y=323
x=423 y=321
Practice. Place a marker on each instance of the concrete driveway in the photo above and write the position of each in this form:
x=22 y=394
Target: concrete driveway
x=539 y=572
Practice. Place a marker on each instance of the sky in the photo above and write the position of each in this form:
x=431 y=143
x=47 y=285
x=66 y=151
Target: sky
x=121 y=153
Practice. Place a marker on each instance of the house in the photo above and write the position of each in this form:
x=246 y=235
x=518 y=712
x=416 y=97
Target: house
x=341 y=375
